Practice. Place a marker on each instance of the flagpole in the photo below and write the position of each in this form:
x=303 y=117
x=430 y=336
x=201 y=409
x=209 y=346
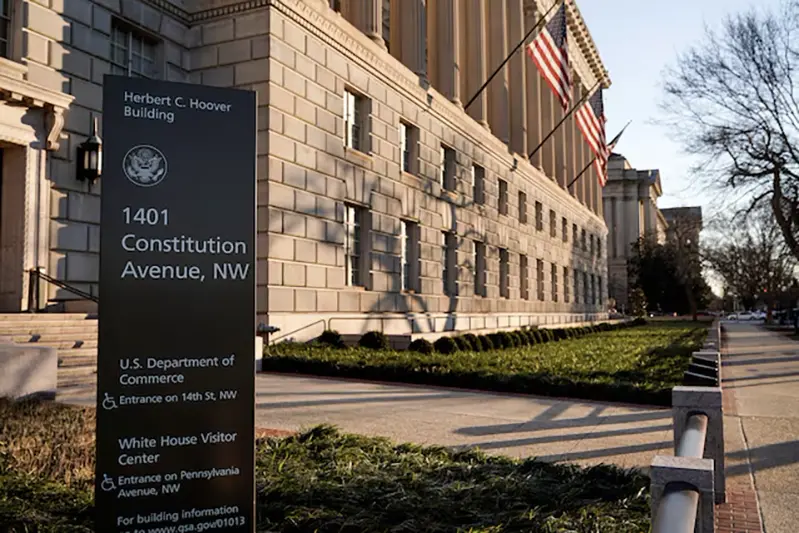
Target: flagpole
x=536 y=26
x=612 y=145
x=583 y=171
x=567 y=115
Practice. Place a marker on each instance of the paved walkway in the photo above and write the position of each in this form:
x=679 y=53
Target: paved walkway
x=761 y=425
x=514 y=425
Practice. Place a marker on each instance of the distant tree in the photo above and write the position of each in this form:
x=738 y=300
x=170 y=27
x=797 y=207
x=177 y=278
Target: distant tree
x=669 y=275
x=733 y=100
x=750 y=255
x=638 y=303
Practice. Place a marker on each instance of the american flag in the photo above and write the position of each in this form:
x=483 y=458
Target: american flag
x=591 y=120
x=550 y=52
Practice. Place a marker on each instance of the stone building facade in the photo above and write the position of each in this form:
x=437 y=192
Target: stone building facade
x=382 y=202
x=631 y=213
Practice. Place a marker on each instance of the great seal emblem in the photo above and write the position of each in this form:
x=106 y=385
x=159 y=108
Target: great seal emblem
x=145 y=165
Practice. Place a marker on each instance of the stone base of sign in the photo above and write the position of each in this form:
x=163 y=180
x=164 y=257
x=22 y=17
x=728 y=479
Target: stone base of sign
x=259 y=354
x=28 y=371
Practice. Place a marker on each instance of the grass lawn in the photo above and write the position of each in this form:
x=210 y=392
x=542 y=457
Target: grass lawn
x=326 y=481
x=636 y=365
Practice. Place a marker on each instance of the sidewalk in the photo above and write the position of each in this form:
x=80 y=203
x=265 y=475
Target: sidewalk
x=506 y=424
x=761 y=429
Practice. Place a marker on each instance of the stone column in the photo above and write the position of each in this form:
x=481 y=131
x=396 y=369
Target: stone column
x=498 y=88
x=413 y=47
x=548 y=104
x=474 y=39
x=516 y=73
x=448 y=50
x=570 y=140
x=618 y=236
x=369 y=19
x=397 y=29
x=533 y=85
x=560 y=145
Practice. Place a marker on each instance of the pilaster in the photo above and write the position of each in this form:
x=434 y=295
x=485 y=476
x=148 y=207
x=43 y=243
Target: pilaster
x=516 y=73
x=533 y=86
x=498 y=88
x=448 y=50
x=474 y=39
x=411 y=41
x=368 y=17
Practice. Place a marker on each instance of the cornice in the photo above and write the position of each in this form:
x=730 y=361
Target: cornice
x=164 y=5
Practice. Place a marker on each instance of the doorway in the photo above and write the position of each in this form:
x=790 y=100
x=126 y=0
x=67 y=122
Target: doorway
x=12 y=234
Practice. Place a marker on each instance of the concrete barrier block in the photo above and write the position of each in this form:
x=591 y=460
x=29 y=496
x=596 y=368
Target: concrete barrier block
x=28 y=371
x=697 y=473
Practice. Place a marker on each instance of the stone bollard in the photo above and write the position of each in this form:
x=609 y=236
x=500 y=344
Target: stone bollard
x=687 y=471
x=686 y=401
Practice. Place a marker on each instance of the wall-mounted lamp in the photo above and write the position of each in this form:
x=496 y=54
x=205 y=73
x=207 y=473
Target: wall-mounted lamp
x=90 y=157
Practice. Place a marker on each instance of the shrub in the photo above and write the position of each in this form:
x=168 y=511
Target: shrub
x=421 y=346
x=557 y=334
x=519 y=338
x=331 y=337
x=549 y=334
x=445 y=345
x=374 y=340
x=496 y=340
x=539 y=337
x=463 y=343
x=485 y=343
x=640 y=321
x=473 y=342
x=531 y=337
x=506 y=339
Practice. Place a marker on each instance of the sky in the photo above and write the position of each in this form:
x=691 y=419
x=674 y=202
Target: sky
x=637 y=40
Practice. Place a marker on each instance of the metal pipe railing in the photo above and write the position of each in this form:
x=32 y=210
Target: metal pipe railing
x=678 y=509
x=692 y=443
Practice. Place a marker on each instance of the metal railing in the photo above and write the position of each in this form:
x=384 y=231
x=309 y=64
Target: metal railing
x=685 y=487
x=35 y=278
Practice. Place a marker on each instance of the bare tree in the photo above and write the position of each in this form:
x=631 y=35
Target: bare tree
x=752 y=259
x=732 y=100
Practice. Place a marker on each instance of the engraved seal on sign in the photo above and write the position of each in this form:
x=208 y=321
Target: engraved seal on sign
x=145 y=165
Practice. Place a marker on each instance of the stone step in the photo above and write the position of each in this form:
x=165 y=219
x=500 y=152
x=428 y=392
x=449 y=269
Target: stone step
x=45 y=317
x=32 y=328
x=76 y=361
x=60 y=344
x=54 y=337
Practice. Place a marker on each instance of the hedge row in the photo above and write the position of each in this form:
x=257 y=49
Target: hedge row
x=469 y=342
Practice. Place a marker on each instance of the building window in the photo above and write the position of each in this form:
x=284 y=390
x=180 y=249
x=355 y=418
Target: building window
x=479 y=268
x=409 y=144
x=502 y=199
x=522 y=207
x=576 y=286
x=583 y=243
x=355 y=245
x=448 y=250
x=593 y=289
x=504 y=273
x=5 y=28
x=539 y=216
x=591 y=244
x=598 y=247
x=539 y=276
x=566 y=284
x=410 y=255
x=554 y=274
x=575 y=236
x=131 y=53
x=335 y=5
x=586 y=289
x=355 y=115
x=478 y=184
x=447 y=177
x=524 y=277
x=553 y=224
x=564 y=229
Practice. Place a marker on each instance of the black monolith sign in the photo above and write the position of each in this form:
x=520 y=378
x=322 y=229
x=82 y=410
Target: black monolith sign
x=176 y=373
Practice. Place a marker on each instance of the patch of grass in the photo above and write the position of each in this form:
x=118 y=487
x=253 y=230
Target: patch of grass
x=636 y=365
x=323 y=481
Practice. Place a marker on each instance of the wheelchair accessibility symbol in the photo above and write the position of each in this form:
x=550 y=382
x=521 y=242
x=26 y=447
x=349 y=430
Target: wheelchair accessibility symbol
x=107 y=484
x=109 y=402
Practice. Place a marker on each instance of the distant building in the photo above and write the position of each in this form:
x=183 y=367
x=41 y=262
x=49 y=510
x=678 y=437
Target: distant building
x=685 y=225
x=631 y=212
